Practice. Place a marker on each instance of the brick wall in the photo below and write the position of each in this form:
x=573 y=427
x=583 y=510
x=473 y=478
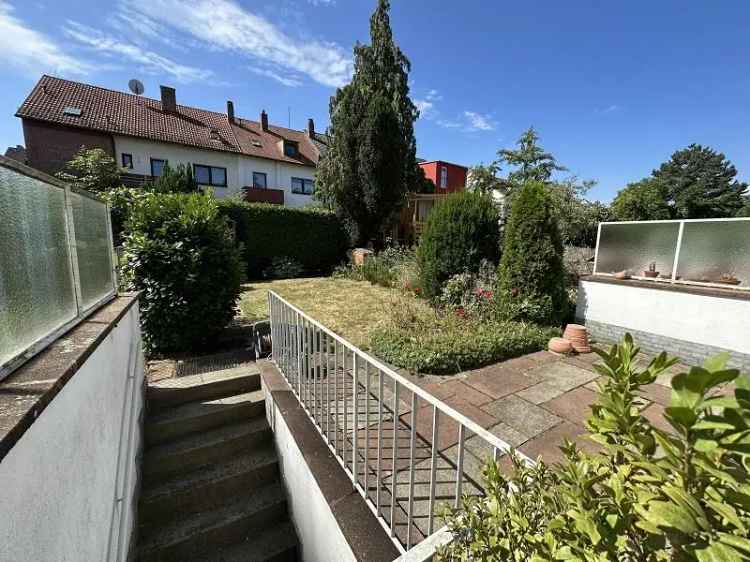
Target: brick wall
x=49 y=147
x=691 y=353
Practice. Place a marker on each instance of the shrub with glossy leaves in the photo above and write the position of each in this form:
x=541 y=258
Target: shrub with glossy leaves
x=180 y=252
x=677 y=490
x=461 y=231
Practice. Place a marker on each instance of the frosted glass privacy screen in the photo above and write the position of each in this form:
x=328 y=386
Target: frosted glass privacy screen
x=40 y=292
x=634 y=246
x=716 y=252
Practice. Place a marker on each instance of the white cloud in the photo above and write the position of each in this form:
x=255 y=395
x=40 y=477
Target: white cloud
x=291 y=81
x=433 y=95
x=425 y=107
x=225 y=25
x=322 y=2
x=32 y=51
x=479 y=122
x=609 y=109
x=449 y=124
x=149 y=61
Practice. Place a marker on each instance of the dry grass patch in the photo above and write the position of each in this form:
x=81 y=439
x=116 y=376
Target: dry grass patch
x=352 y=309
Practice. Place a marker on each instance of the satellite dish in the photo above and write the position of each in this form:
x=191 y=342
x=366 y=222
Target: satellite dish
x=136 y=86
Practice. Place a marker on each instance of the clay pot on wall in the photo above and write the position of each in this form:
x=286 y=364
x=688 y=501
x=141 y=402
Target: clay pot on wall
x=624 y=274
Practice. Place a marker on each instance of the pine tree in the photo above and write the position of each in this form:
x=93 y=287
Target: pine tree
x=371 y=160
x=530 y=160
x=701 y=183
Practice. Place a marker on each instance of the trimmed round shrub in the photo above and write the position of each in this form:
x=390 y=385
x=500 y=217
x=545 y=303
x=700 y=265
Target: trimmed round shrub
x=531 y=277
x=461 y=231
x=180 y=252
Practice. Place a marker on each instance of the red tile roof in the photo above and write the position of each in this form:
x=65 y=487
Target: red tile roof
x=119 y=113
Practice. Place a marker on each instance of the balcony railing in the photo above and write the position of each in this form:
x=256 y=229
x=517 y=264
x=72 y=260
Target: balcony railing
x=403 y=448
x=264 y=195
x=708 y=252
x=56 y=260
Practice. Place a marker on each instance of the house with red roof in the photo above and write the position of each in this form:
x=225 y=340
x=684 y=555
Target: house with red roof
x=227 y=153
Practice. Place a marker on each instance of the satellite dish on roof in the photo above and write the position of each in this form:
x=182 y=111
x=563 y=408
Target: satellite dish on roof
x=136 y=86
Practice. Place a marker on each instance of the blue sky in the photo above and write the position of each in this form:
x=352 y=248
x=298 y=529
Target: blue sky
x=613 y=88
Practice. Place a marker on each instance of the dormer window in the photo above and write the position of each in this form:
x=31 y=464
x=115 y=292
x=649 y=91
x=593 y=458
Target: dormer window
x=290 y=149
x=71 y=111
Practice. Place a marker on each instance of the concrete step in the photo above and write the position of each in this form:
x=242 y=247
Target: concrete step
x=202 y=449
x=207 y=488
x=272 y=545
x=171 y=392
x=206 y=532
x=195 y=417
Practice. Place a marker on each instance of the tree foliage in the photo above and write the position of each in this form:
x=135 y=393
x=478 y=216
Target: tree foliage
x=701 y=183
x=676 y=490
x=696 y=182
x=92 y=169
x=461 y=231
x=531 y=277
x=484 y=178
x=643 y=200
x=371 y=161
x=529 y=161
x=175 y=180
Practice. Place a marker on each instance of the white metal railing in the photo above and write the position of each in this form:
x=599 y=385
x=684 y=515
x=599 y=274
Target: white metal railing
x=56 y=260
x=719 y=250
x=404 y=449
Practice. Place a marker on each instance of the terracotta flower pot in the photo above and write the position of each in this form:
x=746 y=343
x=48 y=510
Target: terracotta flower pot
x=559 y=345
x=578 y=337
x=651 y=274
x=622 y=274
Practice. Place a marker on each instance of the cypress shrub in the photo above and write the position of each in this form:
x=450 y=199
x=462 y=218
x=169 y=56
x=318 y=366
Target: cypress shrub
x=181 y=254
x=461 y=231
x=531 y=277
x=313 y=237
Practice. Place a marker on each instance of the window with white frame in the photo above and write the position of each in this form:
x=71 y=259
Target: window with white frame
x=210 y=175
x=260 y=180
x=443 y=177
x=303 y=186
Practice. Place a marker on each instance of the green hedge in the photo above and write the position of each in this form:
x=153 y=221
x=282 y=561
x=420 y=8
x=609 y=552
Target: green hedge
x=313 y=237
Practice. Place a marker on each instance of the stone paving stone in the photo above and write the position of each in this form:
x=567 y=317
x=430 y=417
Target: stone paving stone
x=540 y=392
x=574 y=406
x=547 y=444
x=500 y=382
x=474 y=413
x=526 y=418
x=563 y=375
x=657 y=393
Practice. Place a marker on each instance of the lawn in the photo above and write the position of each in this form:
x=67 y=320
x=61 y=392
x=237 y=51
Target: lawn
x=352 y=309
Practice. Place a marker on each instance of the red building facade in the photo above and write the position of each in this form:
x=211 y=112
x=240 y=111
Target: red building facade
x=447 y=177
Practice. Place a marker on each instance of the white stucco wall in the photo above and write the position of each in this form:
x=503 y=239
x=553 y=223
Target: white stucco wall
x=68 y=484
x=239 y=167
x=707 y=320
x=319 y=534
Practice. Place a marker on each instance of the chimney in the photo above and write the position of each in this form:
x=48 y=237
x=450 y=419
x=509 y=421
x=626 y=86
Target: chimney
x=311 y=128
x=264 y=120
x=230 y=111
x=168 y=99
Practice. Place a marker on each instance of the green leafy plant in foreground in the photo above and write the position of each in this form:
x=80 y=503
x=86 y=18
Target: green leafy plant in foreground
x=649 y=494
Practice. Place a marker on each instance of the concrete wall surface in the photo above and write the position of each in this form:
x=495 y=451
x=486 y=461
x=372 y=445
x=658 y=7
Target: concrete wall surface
x=69 y=484
x=320 y=536
x=696 y=325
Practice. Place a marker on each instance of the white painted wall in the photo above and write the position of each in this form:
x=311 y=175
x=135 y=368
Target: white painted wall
x=239 y=167
x=709 y=320
x=68 y=484
x=320 y=537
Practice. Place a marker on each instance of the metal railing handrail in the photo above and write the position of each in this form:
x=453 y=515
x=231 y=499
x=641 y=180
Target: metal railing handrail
x=471 y=425
x=301 y=349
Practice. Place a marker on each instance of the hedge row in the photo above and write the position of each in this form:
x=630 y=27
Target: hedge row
x=313 y=237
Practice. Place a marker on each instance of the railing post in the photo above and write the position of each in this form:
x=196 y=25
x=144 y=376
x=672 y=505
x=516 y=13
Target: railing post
x=354 y=426
x=677 y=252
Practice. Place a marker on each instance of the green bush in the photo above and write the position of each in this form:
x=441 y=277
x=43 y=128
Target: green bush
x=650 y=495
x=312 y=237
x=531 y=270
x=174 y=180
x=445 y=343
x=180 y=253
x=393 y=267
x=461 y=231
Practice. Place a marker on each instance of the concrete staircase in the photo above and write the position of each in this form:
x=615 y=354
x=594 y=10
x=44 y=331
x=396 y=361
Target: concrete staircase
x=211 y=485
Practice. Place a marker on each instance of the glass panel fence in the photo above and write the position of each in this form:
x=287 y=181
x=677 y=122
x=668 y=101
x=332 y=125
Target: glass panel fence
x=39 y=294
x=636 y=246
x=710 y=251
